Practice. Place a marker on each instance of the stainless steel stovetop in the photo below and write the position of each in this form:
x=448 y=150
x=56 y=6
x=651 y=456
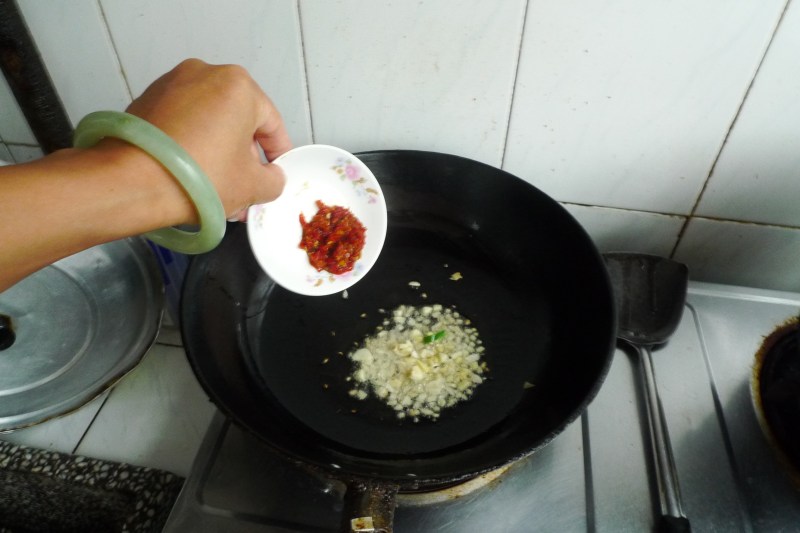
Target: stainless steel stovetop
x=595 y=476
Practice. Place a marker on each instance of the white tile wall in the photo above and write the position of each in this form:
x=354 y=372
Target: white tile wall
x=619 y=103
x=621 y=230
x=76 y=47
x=61 y=434
x=155 y=416
x=13 y=126
x=22 y=153
x=435 y=75
x=741 y=254
x=758 y=175
x=5 y=154
x=153 y=36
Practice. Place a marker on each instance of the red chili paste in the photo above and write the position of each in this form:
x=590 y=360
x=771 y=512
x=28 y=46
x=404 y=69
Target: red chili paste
x=333 y=238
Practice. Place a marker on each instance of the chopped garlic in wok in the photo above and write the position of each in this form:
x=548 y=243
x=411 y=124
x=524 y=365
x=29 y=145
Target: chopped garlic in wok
x=421 y=360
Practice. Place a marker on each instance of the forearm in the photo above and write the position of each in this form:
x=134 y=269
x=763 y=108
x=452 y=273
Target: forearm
x=75 y=199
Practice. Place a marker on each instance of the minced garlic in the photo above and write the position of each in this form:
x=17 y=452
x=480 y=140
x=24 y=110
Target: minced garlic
x=421 y=360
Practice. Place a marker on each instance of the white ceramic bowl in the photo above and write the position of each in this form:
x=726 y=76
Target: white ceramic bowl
x=336 y=177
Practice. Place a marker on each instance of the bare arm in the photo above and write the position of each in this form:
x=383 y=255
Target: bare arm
x=74 y=199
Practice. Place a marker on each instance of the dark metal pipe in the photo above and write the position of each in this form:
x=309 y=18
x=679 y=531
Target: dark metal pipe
x=24 y=69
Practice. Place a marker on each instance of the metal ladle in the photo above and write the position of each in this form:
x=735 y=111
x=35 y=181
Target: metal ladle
x=650 y=293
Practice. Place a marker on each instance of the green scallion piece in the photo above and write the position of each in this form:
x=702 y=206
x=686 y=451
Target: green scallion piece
x=429 y=338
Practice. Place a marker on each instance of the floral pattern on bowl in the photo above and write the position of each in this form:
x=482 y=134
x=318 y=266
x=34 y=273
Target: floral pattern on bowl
x=347 y=171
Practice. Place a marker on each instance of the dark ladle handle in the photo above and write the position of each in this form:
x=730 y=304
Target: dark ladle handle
x=672 y=519
x=674 y=524
x=368 y=499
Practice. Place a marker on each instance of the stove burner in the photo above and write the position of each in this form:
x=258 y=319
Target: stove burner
x=423 y=495
x=777 y=389
x=451 y=492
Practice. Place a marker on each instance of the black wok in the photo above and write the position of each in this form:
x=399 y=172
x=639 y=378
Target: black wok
x=533 y=285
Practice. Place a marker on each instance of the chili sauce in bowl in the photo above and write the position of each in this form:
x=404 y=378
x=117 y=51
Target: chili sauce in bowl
x=326 y=229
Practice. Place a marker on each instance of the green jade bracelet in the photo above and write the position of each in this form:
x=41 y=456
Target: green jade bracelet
x=140 y=133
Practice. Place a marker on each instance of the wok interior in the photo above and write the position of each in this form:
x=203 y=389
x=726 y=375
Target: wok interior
x=533 y=285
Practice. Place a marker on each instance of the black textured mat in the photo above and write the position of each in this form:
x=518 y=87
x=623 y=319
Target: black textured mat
x=41 y=490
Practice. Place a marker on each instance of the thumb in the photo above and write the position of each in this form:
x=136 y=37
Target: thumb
x=268 y=186
x=272 y=184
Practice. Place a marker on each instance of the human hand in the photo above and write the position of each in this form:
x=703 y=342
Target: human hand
x=220 y=116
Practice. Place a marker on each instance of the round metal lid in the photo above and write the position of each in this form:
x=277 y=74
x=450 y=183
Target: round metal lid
x=72 y=329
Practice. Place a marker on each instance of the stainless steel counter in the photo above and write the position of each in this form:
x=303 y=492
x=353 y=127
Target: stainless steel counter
x=595 y=476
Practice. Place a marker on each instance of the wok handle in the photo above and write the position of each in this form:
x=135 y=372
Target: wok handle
x=369 y=506
x=672 y=518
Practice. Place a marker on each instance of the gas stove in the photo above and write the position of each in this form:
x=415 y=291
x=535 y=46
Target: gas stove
x=595 y=476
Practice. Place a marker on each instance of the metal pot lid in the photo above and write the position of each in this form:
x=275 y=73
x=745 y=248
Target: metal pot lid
x=72 y=329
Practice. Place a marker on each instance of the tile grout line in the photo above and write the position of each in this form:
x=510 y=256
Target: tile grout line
x=25 y=145
x=110 y=391
x=310 y=115
x=626 y=209
x=681 y=216
x=91 y=422
x=589 y=488
x=693 y=211
x=504 y=148
x=114 y=48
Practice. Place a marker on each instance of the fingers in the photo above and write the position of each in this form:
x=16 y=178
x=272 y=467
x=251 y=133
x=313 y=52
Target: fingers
x=221 y=116
x=272 y=186
x=273 y=139
x=270 y=132
x=270 y=182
